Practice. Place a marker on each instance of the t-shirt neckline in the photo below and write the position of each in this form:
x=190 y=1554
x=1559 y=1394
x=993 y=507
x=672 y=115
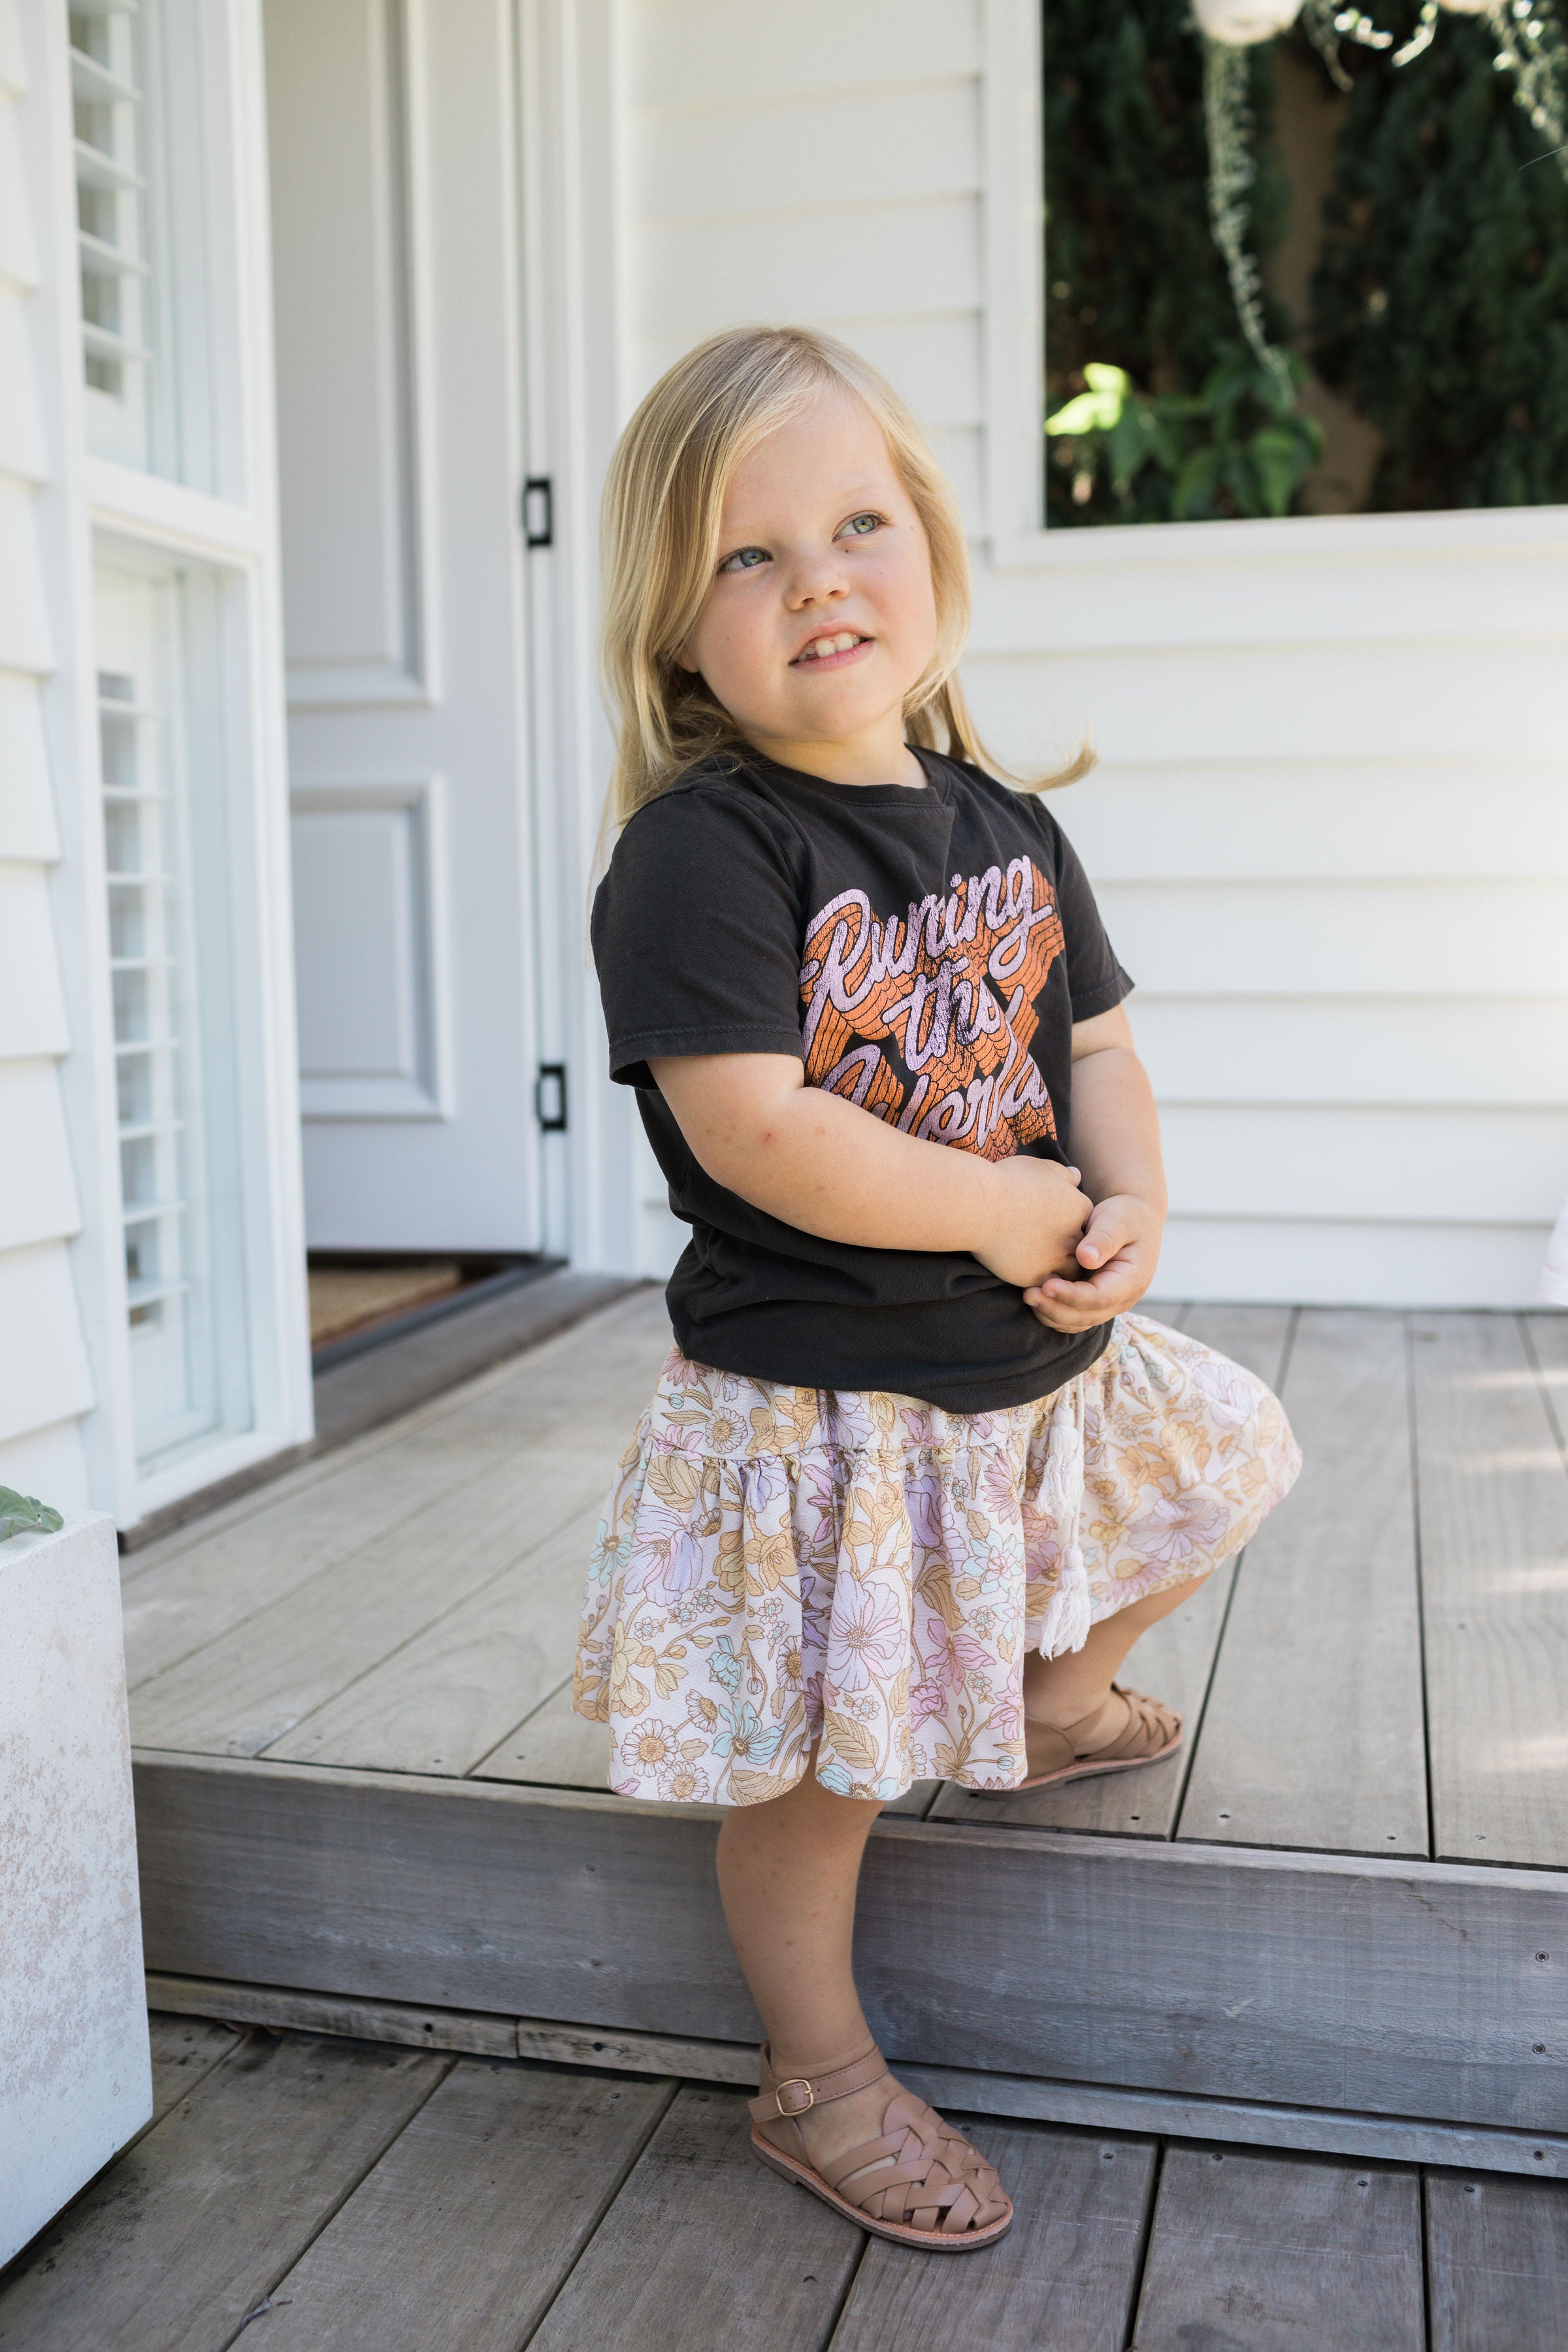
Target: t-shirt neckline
x=862 y=795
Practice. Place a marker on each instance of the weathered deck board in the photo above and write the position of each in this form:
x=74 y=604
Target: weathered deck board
x=205 y=1582
x=1314 y=1736
x=451 y=2220
x=441 y=1701
x=662 y=2267
x=1493 y=1499
x=1306 y=1981
x=362 y=1392
x=1547 y=1333
x=250 y=1687
x=460 y=2238
x=174 y=1609
x=1065 y=2275
x=1497 y=2260
x=1279 y=2252
x=184 y=2049
x=196 y=2224
x=1256 y=1337
x=552 y=1749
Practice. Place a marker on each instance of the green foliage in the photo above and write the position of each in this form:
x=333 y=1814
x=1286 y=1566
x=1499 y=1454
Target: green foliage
x=24 y=1515
x=1133 y=278
x=1239 y=447
x=1440 y=303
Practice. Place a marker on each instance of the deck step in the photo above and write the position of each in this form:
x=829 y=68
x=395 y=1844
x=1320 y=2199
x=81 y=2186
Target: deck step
x=1423 y=1994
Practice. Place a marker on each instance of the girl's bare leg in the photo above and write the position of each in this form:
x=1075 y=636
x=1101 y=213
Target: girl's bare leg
x=787 y=1874
x=1063 y=1691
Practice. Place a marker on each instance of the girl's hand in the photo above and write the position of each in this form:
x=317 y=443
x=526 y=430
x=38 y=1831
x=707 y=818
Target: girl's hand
x=1120 y=1249
x=1037 y=1218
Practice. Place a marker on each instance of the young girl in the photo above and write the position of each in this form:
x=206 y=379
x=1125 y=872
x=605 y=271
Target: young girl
x=914 y=1478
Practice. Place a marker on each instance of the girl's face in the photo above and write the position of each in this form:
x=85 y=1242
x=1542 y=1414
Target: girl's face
x=820 y=615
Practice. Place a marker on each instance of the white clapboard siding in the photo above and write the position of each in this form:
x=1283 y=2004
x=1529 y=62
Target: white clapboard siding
x=1350 y=1264
x=43 y=1375
x=1343 y=820
x=38 y=1189
x=1242 y=583
x=45 y=1382
x=31 y=832
x=24 y=637
x=777 y=171
x=1491 y=938
x=1330 y=826
x=1424 y=1167
x=1438 y=1051
x=32 y=1010
x=867 y=147
x=724 y=53
x=49 y=1463
x=1346 y=699
x=21 y=427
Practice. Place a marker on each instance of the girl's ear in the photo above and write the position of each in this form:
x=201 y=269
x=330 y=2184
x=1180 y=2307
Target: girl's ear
x=683 y=660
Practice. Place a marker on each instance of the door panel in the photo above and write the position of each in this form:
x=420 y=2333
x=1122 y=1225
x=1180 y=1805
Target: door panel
x=396 y=272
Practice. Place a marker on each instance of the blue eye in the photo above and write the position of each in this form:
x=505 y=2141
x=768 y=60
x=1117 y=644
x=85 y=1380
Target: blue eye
x=745 y=559
x=862 y=525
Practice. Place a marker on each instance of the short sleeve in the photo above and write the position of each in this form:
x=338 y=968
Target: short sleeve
x=1096 y=979
x=696 y=931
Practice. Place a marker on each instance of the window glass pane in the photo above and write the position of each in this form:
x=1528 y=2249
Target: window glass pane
x=1317 y=272
x=168 y=925
x=141 y=212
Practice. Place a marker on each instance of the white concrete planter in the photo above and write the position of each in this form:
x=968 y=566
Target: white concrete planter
x=74 y=2066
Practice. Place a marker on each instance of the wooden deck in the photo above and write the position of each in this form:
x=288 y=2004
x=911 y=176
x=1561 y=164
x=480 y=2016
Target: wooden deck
x=321 y=2195
x=1338 y=1920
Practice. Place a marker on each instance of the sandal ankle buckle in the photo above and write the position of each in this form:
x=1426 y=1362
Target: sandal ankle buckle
x=794 y=2083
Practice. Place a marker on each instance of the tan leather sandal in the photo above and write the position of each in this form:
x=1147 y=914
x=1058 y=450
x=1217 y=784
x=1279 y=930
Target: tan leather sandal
x=1152 y=1730
x=921 y=2184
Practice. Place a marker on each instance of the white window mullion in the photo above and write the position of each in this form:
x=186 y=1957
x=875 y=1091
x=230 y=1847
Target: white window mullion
x=108 y=108
x=168 y=952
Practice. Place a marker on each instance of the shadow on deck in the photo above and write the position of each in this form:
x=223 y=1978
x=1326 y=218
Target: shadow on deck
x=1338 y=1919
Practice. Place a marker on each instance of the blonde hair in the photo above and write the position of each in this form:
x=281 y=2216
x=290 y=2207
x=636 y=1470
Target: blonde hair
x=663 y=500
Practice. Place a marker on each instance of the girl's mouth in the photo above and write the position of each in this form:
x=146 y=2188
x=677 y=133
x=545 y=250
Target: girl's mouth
x=831 y=652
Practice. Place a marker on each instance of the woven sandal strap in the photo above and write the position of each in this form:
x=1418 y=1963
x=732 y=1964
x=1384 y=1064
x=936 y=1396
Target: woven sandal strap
x=1148 y=1727
x=1142 y=1732
x=799 y=2093
x=934 y=2168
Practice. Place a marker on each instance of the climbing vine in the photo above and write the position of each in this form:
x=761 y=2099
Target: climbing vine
x=1440 y=299
x=1438 y=305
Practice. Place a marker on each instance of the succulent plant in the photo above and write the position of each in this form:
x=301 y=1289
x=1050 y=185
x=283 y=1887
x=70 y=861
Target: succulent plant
x=24 y=1515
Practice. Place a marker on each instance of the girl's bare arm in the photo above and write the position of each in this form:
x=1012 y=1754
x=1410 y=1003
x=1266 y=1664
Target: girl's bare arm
x=1116 y=1135
x=826 y=1167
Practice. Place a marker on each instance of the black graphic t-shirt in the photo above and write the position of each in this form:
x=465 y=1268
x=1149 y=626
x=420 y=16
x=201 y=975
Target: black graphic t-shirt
x=925 y=952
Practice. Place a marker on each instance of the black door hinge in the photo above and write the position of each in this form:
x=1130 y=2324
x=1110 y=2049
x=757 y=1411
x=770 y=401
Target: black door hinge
x=538 y=511
x=549 y=1098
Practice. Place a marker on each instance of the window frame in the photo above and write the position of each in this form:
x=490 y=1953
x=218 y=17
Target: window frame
x=229 y=537
x=1013 y=284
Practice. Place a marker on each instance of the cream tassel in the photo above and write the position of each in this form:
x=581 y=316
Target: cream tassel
x=1069 y=1615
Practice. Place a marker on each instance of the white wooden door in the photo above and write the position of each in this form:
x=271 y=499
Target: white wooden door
x=394 y=209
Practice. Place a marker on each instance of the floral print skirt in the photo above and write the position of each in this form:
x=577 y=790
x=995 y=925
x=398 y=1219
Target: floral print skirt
x=778 y=1566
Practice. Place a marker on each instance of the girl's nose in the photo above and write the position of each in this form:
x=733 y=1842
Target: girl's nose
x=814 y=581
